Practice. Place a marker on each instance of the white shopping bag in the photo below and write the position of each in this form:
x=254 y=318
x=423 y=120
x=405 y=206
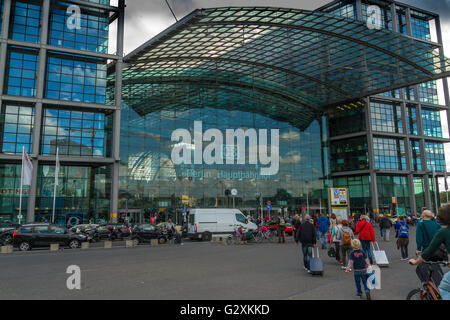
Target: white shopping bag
x=374 y=279
x=379 y=256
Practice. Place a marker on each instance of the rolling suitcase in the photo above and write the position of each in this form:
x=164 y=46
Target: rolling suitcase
x=379 y=256
x=316 y=264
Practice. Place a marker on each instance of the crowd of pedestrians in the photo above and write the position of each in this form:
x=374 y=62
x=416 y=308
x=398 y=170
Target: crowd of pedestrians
x=350 y=242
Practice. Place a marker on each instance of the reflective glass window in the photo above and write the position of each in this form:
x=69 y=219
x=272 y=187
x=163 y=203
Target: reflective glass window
x=83 y=194
x=91 y=34
x=75 y=133
x=420 y=27
x=412 y=119
x=393 y=186
x=26 y=21
x=431 y=121
x=389 y=154
x=416 y=160
x=17 y=123
x=386 y=16
x=435 y=156
x=386 y=117
x=348 y=155
x=22 y=73
x=428 y=92
x=82 y=80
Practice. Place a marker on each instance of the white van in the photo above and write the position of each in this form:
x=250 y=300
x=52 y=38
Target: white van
x=203 y=223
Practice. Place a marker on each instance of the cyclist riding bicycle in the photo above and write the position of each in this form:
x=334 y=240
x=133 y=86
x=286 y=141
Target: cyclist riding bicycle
x=439 y=248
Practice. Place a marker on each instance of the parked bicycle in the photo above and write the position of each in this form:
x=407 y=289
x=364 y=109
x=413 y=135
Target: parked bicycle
x=430 y=275
x=264 y=234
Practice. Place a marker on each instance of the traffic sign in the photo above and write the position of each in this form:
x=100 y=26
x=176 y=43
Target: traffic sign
x=185 y=199
x=269 y=207
x=269 y=203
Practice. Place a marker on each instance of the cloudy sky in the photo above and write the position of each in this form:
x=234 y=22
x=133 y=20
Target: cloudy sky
x=146 y=18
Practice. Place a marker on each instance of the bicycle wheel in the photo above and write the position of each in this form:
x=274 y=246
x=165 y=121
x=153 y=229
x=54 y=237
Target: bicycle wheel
x=415 y=294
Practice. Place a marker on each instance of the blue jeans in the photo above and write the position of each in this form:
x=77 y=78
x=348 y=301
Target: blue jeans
x=323 y=238
x=307 y=254
x=361 y=276
x=365 y=246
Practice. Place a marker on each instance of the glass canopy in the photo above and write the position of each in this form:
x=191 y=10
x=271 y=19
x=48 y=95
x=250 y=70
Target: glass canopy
x=287 y=64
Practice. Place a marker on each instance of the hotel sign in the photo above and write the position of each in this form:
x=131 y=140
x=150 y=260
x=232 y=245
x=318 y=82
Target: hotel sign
x=8 y=192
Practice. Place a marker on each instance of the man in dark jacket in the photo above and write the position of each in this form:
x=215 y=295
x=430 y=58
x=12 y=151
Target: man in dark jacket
x=385 y=226
x=425 y=231
x=306 y=235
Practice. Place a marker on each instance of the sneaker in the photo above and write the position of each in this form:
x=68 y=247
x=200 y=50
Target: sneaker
x=309 y=271
x=368 y=295
x=343 y=268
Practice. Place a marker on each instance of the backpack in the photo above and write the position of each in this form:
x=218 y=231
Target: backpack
x=346 y=238
x=403 y=231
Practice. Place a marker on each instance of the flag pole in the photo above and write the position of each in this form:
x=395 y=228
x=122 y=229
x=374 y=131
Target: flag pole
x=21 y=186
x=56 y=184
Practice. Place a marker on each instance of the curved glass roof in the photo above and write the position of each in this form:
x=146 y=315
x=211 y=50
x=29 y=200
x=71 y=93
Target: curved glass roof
x=288 y=64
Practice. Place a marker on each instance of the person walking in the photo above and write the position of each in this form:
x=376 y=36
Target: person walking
x=345 y=236
x=425 y=231
x=385 y=227
x=403 y=238
x=435 y=248
x=306 y=235
x=359 y=262
x=337 y=243
x=366 y=235
x=281 y=228
x=295 y=225
x=324 y=225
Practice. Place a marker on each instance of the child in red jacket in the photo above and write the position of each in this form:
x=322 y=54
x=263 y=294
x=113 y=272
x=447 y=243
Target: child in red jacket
x=366 y=235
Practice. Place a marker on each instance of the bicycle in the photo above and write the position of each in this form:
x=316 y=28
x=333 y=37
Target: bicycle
x=264 y=233
x=430 y=275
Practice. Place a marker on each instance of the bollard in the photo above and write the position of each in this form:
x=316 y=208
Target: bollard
x=108 y=244
x=84 y=245
x=54 y=247
x=129 y=243
x=154 y=242
x=7 y=249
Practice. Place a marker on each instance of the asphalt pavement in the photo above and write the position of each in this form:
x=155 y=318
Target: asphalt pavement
x=196 y=270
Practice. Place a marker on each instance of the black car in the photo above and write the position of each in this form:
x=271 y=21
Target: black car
x=146 y=232
x=43 y=234
x=6 y=233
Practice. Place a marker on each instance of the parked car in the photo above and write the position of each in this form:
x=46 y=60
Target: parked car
x=43 y=234
x=146 y=232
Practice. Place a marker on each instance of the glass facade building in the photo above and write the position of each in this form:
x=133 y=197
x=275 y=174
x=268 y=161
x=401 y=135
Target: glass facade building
x=54 y=57
x=408 y=131
x=332 y=99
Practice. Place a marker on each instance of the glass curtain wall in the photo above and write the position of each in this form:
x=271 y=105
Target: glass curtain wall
x=151 y=181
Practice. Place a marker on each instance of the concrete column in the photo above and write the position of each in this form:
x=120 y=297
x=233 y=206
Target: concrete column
x=373 y=176
x=394 y=17
x=117 y=113
x=38 y=109
x=408 y=21
x=358 y=10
